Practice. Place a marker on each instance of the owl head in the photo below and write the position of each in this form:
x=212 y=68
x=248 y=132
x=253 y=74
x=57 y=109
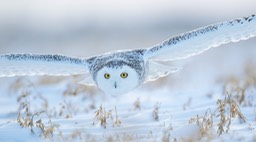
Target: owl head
x=117 y=77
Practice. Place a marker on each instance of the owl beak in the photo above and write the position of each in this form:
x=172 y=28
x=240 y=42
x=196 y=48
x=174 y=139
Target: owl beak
x=115 y=85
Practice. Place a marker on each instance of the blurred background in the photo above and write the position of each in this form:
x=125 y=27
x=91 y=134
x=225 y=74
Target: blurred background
x=86 y=28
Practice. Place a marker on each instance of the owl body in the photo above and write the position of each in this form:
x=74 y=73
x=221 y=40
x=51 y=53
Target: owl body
x=119 y=72
x=116 y=64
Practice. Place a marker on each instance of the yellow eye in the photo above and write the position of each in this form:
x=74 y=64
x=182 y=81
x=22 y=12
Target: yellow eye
x=107 y=75
x=124 y=75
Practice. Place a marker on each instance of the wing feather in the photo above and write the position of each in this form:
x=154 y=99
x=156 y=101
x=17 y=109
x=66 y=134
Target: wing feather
x=31 y=64
x=158 y=70
x=199 y=40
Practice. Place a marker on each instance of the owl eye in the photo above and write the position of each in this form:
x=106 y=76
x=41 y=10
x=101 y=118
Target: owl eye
x=107 y=75
x=124 y=75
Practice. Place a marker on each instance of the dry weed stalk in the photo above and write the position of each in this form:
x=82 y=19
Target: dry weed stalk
x=166 y=134
x=102 y=116
x=240 y=87
x=117 y=121
x=223 y=118
x=235 y=110
x=45 y=104
x=67 y=110
x=250 y=127
x=155 y=112
x=226 y=117
x=205 y=124
x=77 y=134
x=250 y=75
x=137 y=104
x=187 y=104
x=238 y=91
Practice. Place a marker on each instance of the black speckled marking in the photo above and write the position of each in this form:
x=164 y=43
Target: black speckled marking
x=185 y=36
x=199 y=32
x=250 y=18
x=241 y=20
x=48 y=58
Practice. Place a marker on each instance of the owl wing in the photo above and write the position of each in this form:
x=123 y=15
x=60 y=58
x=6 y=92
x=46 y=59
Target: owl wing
x=30 y=65
x=197 y=41
x=157 y=70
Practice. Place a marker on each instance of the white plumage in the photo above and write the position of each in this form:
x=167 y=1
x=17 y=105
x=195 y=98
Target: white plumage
x=122 y=71
x=30 y=65
x=199 y=40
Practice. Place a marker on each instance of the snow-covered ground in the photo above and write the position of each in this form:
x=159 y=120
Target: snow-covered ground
x=214 y=90
x=182 y=106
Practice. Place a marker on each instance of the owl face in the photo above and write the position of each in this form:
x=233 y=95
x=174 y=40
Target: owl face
x=117 y=80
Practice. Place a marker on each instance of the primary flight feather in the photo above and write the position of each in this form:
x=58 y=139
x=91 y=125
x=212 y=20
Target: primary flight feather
x=122 y=71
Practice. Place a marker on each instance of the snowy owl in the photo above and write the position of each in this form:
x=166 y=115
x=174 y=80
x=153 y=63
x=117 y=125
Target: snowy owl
x=119 y=72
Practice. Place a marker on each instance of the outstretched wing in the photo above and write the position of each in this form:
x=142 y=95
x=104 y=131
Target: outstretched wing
x=202 y=39
x=157 y=70
x=30 y=65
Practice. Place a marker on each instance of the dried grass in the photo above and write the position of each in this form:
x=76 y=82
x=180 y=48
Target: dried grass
x=205 y=124
x=155 y=112
x=26 y=118
x=167 y=135
x=228 y=109
x=104 y=117
x=137 y=104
